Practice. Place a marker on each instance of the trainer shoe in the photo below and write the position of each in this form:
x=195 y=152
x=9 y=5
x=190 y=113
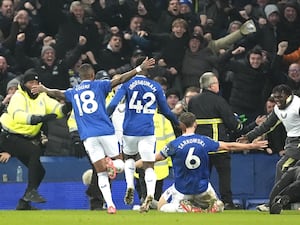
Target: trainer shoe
x=263 y=208
x=110 y=168
x=128 y=199
x=111 y=210
x=23 y=205
x=187 y=206
x=278 y=204
x=33 y=196
x=146 y=204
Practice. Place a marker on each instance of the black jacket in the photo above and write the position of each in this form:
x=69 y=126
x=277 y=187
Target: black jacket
x=209 y=105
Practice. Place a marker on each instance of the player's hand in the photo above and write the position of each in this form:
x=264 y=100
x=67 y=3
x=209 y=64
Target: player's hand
x=260 y=145
x=147 y=63
x=36 y=89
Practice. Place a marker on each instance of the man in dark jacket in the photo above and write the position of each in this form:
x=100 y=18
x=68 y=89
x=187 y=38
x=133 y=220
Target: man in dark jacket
x=215 y=117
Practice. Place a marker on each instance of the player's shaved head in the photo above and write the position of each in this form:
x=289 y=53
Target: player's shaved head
x=86 y=72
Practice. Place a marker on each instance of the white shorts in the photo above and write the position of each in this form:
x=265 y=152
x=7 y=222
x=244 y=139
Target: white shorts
x=101 y=146
x=145 y=145
x=171 y=195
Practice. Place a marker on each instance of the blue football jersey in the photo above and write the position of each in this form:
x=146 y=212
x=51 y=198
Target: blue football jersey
x=189 y=154
x=143 y=96
x=88 y=102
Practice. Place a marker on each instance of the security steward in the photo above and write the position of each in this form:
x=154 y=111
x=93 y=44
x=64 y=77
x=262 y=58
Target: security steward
x=215 y=118
x=21 y=128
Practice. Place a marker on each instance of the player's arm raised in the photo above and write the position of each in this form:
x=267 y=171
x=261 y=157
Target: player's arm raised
x=146 y=64
x=55 y=93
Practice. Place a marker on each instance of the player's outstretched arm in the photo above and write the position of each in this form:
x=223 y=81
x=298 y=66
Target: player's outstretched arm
x=146 y=64
x=235 y=146
x=55 y=93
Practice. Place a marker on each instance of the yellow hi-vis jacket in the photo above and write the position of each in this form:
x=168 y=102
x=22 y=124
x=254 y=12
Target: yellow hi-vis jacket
x=214 y=123
x=164 y=133
x=21 y=107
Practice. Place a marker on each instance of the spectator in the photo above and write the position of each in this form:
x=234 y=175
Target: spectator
x=198 y=58
x=150 y=14
x=53 y=71
x=276 y=138
x=166 y=19
x=112 y=57
x=182 y=105
x=11 y=88
x=22 y=24
x=137 y=53
x=290 y=26
x=292 y=77
x=283 y=112
x=187 y=13
x=6 y=18
x=250 y=83
x=172 y=96
x=268 y=33
x=131 y=38
x=5 y=75
x=74 y=25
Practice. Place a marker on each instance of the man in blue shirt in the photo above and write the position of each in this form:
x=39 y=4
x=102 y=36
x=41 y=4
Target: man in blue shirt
x=142 y=98
x=94 y=125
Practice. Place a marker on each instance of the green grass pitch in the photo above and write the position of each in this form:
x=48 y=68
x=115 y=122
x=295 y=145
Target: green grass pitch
x=124 y=217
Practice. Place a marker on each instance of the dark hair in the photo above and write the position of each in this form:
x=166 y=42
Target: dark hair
x=188 y=119
x=256 y=50
x=282 y=88
x=172 y=91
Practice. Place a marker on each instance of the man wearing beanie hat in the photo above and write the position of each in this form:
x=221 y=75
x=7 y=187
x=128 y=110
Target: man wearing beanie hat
x=269 y=32
x=187 y=3
x=11 y=88
x=271 y=8
x=290 y=23
x=21 y=126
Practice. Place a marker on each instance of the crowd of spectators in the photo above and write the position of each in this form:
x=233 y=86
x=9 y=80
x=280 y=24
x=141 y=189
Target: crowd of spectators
x=54 y=37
